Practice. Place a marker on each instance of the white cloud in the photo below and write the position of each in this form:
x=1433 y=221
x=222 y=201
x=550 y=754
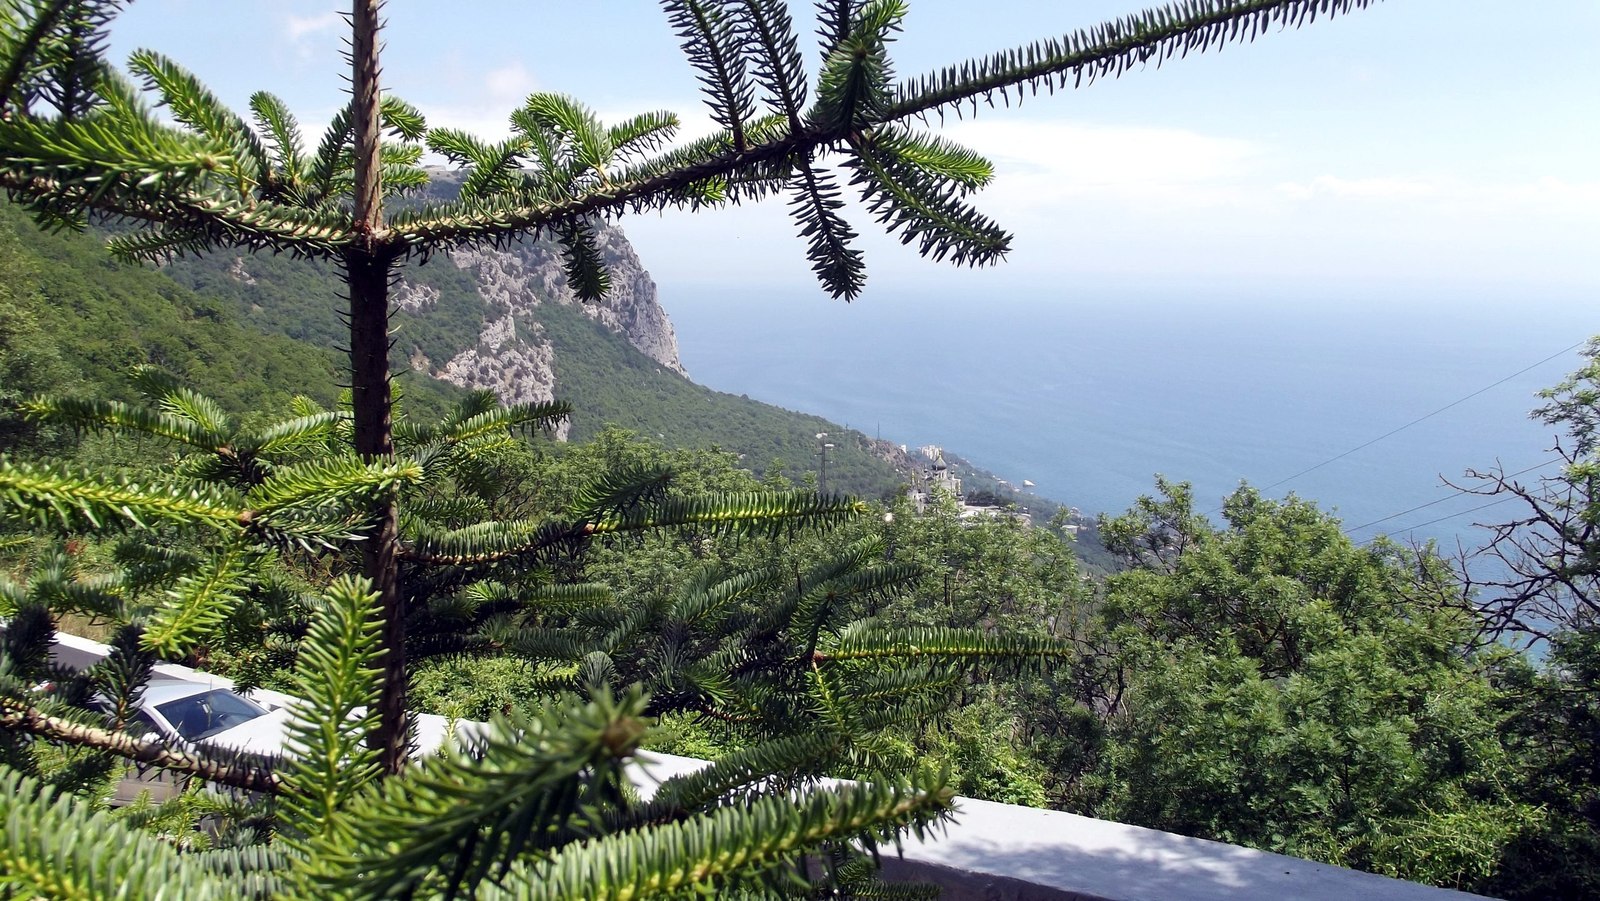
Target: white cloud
x=1040 y=163
x=508 y=85
x=301 y=27
x=1367 y=188
x=495 y=93
x=309 y=33
x=1124 y=201
x=1543 y=197
x=1090 y=197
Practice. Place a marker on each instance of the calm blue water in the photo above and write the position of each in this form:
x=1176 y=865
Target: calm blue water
x=1090 y=397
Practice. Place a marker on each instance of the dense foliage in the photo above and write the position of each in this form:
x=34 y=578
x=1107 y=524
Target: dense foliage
x=1284 y=688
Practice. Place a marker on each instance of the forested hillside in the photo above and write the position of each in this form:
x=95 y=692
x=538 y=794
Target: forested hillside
x=252 y=332
x=608 y=381
x=75 y=320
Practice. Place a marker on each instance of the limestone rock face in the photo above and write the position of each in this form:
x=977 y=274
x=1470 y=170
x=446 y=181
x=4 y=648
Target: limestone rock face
x=529 y=274
x=413 y=298
x=513 y=357
x=519 y=370
x=240 y=274
x=631 y=308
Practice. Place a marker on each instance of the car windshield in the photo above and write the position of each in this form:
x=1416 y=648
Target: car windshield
x=198 y=716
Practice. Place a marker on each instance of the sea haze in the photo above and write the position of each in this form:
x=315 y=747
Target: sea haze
x=1091 y=396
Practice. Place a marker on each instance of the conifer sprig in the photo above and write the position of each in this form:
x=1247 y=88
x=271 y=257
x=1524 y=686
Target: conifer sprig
x=1106 y=51
x=336 y=676
x=76 y=500
x=54 y=846
x=751 y=846
x=200 y=601
x=711 y=43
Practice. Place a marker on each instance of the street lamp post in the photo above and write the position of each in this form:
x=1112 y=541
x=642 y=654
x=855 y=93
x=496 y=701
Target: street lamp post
x=822 y=482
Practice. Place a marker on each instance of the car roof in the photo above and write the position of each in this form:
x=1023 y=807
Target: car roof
x=162 y=691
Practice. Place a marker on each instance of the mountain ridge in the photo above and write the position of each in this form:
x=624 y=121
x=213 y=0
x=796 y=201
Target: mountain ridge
x=486 y=318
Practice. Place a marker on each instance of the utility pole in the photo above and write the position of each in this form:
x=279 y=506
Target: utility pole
x=822 y=481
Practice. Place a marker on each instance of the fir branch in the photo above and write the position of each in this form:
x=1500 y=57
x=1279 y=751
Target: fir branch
x=585 y=140
x=195 y=106
x=402 y=119
x=949 y=644
x=937 y=157
x=158 y=245
x=336 y=676
x=731 y=846
x=500 y=419
x=252 y=871
x=565 y=596
x=104 y=160
x=330 y=153
x=54 y=846
x=854 y=82
x=815 y=209
x=189 y=404
x=339 y=482
x=641 y=134
x=585 y=267
x=492 y=542
x=23 y=51
x=730 y=775
x=237 y=773
x=1108 y=50
x=274 y=119
x=200 y=601
x=89 y=413
x=533 y=784
x=701 y=597
x=78 y=500
x=620 y=492
x=834 y=18
x=710 y=40
x=907 y=201
x=290 y=433
x=150 y=192
x=491 y=167
x=763 y=513
x=767 y=32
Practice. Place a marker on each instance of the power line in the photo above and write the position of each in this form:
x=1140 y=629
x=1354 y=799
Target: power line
x=1419 y=419
x=1458 y=492
x=1430 y=522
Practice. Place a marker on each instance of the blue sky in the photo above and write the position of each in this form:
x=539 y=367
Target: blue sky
x=1420 y=148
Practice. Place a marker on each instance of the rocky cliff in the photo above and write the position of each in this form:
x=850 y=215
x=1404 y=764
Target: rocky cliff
x=512 y=357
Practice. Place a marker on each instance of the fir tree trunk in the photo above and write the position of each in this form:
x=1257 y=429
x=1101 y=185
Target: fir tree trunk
x=369 y=379
x=367 y=274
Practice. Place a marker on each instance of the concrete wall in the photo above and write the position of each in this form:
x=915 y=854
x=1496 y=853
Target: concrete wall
x=1000 y=852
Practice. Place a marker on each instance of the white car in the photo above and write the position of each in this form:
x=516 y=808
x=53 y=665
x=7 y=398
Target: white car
x=191 y=710
x=193 y=716
x=198 y=717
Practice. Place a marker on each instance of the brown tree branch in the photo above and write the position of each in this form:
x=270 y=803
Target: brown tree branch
x=33 y=721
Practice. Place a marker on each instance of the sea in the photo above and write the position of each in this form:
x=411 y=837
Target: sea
x=1371 y=403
